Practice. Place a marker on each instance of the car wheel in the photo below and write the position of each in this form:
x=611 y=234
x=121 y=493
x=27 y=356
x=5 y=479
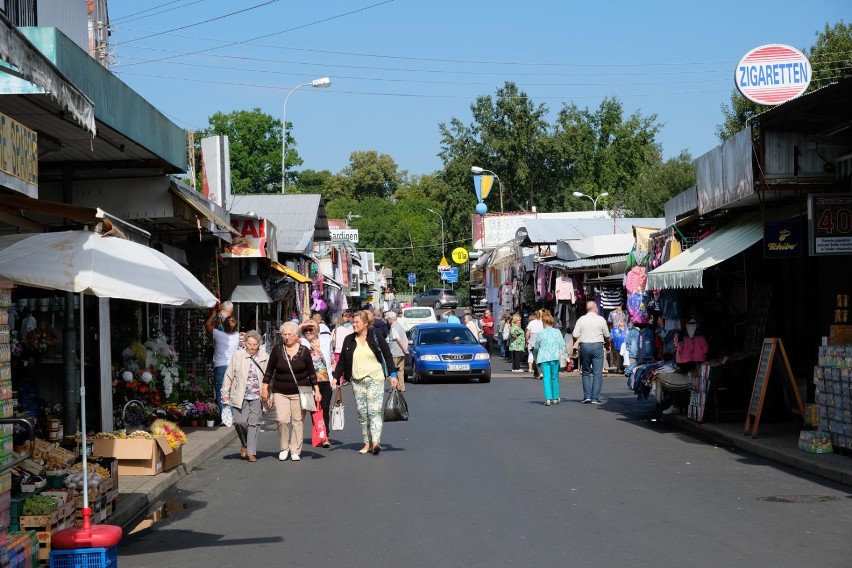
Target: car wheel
x=437 y=305
x=485 y=378
x=414 y=303
x=415 y=376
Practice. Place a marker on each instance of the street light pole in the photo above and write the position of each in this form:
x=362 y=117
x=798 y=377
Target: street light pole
x=594 y=199
x=320 y=83
x=476 y=170
x=443 y=250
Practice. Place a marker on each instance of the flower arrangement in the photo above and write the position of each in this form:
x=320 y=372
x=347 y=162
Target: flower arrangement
x=191 y=410
x=174 y=435
x=173 y=411
x=40 y=339
x=211 y=411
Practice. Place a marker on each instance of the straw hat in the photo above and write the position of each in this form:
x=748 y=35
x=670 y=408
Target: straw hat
x=308 y=324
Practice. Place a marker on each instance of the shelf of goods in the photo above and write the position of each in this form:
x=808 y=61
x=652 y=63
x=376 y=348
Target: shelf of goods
x=833 y=381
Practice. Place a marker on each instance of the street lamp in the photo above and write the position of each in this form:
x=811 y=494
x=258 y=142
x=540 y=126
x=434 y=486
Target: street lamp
x=477 y=171
x=594 y=199
x=443 y=250
x=320 y=83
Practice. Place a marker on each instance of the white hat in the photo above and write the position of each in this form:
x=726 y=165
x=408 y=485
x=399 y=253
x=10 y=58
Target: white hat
x=390 y=315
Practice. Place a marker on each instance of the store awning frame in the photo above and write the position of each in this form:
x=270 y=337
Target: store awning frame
x=199 y=208
x=687 y=269
x=300 y=278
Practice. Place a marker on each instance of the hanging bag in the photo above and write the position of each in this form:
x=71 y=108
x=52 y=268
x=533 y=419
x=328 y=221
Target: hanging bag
x=318 y=431
x=395 y=409
x=336 y=414
x=306 y=394
x=227 y=416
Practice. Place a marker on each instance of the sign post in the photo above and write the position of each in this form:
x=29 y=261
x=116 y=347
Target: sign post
x=412 y=281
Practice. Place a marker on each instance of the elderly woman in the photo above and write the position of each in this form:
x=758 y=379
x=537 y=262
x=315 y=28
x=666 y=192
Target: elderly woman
x=321 y=357
x=549 y=345
x=517 y=343
x=290 y=366
x=241 y=389
x=366 y=360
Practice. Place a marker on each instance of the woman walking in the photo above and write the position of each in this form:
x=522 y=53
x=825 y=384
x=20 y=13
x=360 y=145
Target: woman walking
x=517 y=343
x=226 y=341
x=321 y=357
x=289 y=365
x=241 y=390
x=338 y=334
x=366 y=360
x=549 y=346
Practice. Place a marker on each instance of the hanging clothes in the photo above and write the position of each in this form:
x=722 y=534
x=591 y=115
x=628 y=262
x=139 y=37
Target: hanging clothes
x=564 y=289
x=636 y=279
x=637 y=308
x=611 y=297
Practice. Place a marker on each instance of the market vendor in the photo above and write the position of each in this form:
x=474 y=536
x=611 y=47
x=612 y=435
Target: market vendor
x=227 y=341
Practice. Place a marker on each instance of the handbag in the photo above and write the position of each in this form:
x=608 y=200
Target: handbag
x=395 y=408
x=306 y=394
x=336 y=414
x=318 y=431
x=227 y=416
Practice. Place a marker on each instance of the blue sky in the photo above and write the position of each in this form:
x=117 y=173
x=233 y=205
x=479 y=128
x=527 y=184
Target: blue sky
x=401 y=67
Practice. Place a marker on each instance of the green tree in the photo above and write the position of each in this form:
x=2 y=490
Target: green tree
x=370 y=174
x=255 y=142
x=657 y=184
x=830 y=57
x=606 y=151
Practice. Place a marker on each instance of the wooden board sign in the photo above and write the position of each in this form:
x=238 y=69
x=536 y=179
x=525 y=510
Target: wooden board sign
x=772 y=356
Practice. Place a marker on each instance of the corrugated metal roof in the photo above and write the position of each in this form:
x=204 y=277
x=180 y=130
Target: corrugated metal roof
x=585 y=262
x=599 y=245
x=300 y=219
x=549 y=231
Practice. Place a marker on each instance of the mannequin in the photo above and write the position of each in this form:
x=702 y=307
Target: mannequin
x=691 y=326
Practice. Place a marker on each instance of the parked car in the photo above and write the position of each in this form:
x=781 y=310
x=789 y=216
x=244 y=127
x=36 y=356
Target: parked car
x=437 y=298
x=445 y=351
x=415 y=316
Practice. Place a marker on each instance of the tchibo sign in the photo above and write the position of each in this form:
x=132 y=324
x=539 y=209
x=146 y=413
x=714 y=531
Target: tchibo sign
x=773 y=74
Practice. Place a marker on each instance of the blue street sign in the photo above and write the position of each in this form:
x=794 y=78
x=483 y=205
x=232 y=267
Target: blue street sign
x=412 y=278
x=451 y=275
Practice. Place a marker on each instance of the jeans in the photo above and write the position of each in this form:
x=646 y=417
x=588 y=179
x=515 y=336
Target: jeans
x=591 y=362
x=219 y=375
x=503 y=345
x=550 y=378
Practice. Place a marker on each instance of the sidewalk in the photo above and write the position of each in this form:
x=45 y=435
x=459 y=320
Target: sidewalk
x=136 y=493
x=776 y=442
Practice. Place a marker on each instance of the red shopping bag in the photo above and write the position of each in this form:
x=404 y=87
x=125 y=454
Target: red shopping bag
x=318 y=432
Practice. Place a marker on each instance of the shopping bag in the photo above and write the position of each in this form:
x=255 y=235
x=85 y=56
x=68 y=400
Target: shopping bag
x=395 y=409
x=227 y=416
x=336 y=414
x=318 y=433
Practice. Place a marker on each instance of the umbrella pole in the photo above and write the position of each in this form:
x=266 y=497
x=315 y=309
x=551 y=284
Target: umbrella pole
x=87 y=512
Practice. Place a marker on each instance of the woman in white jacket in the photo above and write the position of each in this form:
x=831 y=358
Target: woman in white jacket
x=241 y=389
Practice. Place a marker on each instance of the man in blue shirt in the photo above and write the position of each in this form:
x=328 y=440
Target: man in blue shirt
x=450 y=317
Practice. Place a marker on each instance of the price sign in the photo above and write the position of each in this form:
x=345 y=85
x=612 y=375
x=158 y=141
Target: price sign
x=830 y=224
x=459 y=255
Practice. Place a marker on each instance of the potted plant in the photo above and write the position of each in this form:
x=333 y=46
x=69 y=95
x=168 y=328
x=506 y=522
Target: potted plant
x=212 y=414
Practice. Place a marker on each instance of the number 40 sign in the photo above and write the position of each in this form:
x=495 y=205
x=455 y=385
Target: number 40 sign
x=830 y=224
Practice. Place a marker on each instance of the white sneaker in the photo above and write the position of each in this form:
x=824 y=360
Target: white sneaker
x=295 y=457
x=282 y=455
x=672 y=410
x=555 y=401
x=547 y=403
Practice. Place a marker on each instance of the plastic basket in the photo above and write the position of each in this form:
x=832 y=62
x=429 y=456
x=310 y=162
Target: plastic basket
x=84 y=558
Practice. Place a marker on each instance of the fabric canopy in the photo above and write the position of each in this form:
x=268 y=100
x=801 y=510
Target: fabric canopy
x=687 y=269
x=290 y=272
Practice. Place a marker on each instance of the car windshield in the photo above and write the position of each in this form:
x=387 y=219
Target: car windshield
x=417 y=313
x=447 y=335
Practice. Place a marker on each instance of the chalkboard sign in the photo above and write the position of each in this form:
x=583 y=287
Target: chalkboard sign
x=769 y=360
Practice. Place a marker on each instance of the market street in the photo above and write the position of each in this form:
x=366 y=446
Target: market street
x=485 y=475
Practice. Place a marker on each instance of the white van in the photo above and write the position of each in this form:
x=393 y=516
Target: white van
x=416 y=315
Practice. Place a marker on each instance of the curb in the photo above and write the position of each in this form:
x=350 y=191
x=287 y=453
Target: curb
x=132 y=505
x=793 y=457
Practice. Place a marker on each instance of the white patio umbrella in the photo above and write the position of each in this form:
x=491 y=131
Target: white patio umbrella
x=109 y=267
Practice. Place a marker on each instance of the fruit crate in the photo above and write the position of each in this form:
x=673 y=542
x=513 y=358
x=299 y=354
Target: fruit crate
x=88 y=557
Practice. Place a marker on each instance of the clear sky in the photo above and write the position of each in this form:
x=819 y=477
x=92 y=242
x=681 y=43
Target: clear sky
x=400 y=67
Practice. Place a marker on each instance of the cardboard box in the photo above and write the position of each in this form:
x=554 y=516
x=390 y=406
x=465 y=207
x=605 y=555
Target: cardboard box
x=140 y=456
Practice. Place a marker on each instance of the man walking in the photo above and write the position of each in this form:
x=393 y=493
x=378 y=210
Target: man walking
x=592 y=334
x=379 y=324
x=471 y=325
x=488 y=330
x=398 y=343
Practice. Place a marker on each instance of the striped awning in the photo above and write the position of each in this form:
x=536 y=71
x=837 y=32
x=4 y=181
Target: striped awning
x=585 y=262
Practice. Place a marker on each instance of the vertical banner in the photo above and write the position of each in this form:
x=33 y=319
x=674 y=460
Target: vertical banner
x=216 y=169
x=487 y=184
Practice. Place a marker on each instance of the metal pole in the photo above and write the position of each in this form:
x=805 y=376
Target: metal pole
x=501 y=194
x=284 y=141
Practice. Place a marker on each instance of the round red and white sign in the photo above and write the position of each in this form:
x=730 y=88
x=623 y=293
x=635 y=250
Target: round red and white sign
x=773 y=74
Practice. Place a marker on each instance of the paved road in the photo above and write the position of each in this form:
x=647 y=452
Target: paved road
x=485 y=475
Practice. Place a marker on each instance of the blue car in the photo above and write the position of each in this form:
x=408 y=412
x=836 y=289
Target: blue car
x=445 y=351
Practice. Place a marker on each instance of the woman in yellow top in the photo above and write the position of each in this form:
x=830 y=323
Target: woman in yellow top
x=365 y=360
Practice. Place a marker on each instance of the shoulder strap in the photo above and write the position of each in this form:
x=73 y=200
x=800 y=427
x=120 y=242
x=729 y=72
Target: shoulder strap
x=287 y=358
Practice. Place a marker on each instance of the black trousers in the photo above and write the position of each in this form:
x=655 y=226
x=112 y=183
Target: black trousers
x=325 y=403
x=516 y=359
x=489 y=343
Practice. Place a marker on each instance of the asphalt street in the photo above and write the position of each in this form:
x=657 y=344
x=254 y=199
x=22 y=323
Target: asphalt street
x=486 y=475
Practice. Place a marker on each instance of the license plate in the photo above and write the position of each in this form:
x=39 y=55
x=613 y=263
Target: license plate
x=458 y=367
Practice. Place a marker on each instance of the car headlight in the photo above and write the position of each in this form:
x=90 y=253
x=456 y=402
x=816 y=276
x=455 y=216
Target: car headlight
x=482 y=356
x=429 y=358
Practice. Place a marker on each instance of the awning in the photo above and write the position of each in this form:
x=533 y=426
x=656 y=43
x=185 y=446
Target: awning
x=196 y=204
x=595 y=246
x=32 y=66
x=331 y=282
x=686 y=270
x=290 y=272
x=250 y=290
x=585 y=262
